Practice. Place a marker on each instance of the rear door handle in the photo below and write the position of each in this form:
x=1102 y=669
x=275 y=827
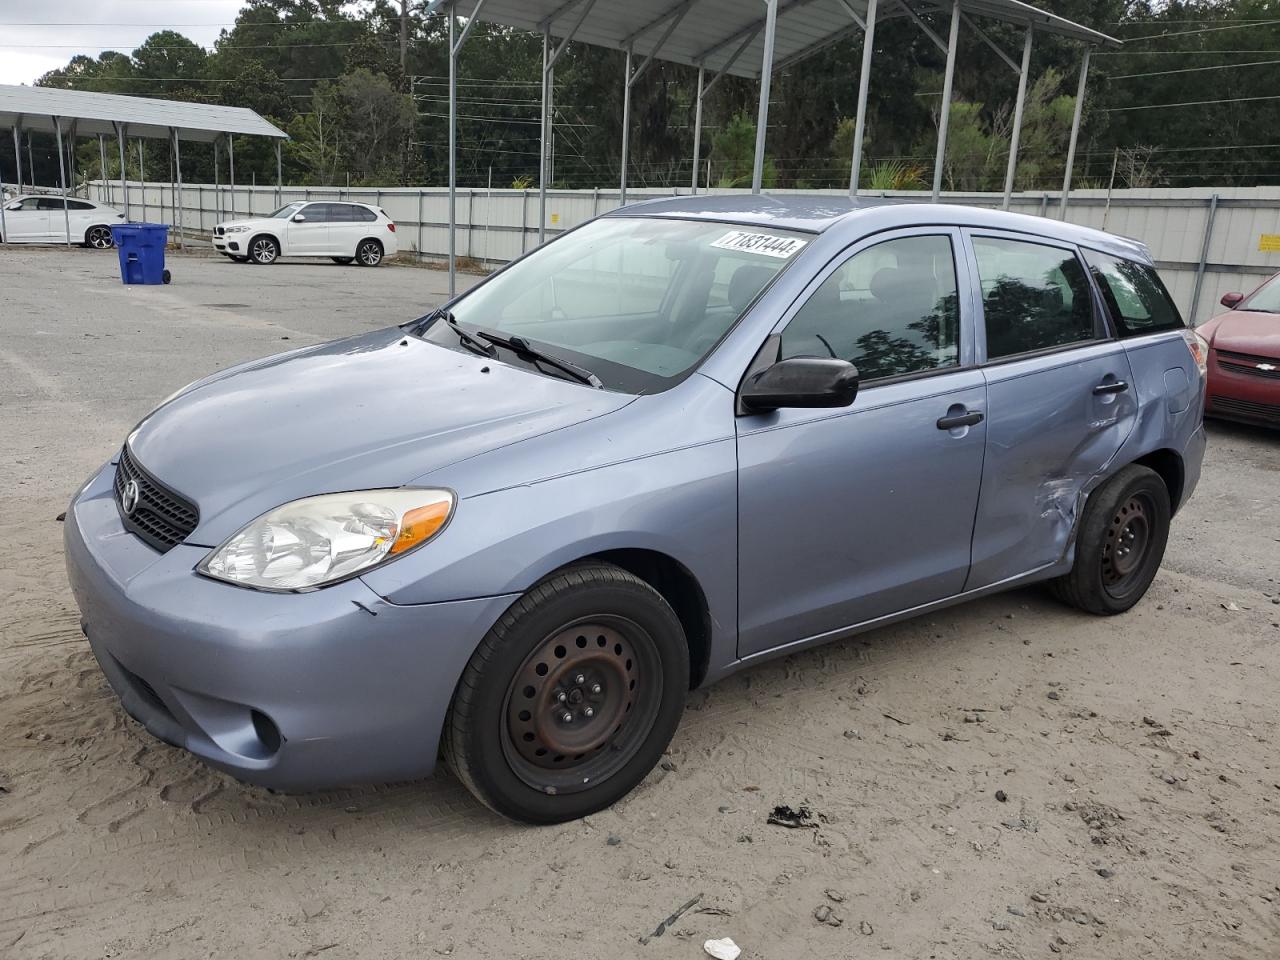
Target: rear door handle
x=1116 y=386
x=960 y=420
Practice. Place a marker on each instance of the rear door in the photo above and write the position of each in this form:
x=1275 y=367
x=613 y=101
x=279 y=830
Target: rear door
x=310 y=237
x=26 y=221
x=1060 y=400
x=853 y=514
x=346 y=230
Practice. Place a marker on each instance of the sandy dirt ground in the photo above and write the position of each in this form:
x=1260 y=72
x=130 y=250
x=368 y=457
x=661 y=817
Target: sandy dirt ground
x=1008 y=779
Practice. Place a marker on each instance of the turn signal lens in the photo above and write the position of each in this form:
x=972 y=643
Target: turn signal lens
x=421 y=524
x=1199 y=348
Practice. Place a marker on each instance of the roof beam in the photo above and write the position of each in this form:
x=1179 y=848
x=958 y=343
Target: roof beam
x=819 y=45
x=857 y=17
x=928 y=30
x=679 y=14
x=751 y=28
x=564 y=44
x=742 y=47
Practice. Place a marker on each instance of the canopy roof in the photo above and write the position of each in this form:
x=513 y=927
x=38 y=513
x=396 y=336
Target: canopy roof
x=716 y=33
x=93 y=113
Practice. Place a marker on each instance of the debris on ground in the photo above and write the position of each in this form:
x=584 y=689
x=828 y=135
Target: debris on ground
x=681 y=910
x=785 y=816
x=722 y=949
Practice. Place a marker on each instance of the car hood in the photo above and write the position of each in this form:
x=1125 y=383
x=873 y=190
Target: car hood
x=1245 y=331
x=377 y=410
x=251 y=222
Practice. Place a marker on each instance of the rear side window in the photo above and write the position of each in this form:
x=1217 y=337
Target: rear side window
x=1135 y=297
x=891 y=310
x=363 y=215
x=1034 y=297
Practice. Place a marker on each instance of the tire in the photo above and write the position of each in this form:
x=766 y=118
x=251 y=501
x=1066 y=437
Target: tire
x=264 y=249
x=99 y=237
x=342 y=260
x=1120 y=544
x=590 y=643
x=368 y=253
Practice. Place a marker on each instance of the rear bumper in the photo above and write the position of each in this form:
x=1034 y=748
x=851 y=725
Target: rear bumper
x=290 y=691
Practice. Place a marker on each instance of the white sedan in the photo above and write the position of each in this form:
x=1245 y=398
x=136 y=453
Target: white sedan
x=40 y=219
x=343 y=232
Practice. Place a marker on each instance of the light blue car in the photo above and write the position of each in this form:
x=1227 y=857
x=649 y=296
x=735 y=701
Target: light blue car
x=680 y=439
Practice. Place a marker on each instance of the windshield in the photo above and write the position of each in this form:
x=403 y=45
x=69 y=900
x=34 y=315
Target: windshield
x=288 y=210
x=637 y=301
x=1266 y=300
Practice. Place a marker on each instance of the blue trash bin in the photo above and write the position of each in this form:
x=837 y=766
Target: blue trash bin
x=141 y=249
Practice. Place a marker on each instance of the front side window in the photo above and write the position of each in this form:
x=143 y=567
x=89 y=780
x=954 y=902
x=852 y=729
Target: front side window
x=1034 y=297
x=1265 y=300
x=1135 y=297
x=638 y=301
x=890 y=310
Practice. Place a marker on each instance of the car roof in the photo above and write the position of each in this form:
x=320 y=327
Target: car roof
x=822 y=213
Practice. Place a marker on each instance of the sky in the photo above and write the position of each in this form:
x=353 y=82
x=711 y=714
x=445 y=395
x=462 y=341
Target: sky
x=40 y=35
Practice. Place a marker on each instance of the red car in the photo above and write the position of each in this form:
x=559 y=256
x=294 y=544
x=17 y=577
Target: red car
x=1244 y=357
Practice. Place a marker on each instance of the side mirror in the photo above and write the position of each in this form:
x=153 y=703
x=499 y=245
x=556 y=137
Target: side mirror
x=1232 y=300
x=299 y=218
x=801 y=382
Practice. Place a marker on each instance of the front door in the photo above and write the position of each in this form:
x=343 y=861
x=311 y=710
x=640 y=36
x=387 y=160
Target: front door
x=853 y=514
x=1059 y=402
x=310 y=235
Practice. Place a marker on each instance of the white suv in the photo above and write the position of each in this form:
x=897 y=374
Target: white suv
x=40 y=219
x=343 y=232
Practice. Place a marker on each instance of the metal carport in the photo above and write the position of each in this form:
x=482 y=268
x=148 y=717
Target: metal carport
x=748 y=38
x=78 y=113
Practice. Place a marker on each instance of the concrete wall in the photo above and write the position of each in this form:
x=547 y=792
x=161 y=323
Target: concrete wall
x=498 y=226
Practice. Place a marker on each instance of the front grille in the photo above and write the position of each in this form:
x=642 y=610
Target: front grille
x=1247 y=363
x=162 y=517
x=1246 y=408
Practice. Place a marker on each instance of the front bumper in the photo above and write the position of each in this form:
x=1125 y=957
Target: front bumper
x=290 y=691
x=1247 y=397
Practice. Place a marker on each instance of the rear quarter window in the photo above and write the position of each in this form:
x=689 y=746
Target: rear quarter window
x=1134 y=294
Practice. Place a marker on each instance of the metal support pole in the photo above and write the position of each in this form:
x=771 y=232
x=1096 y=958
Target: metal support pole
x=547 y=133
x=231 y=173
x=103 y=193
x=124 y=183
x=178 y=199
x=142 y=180
x=766 y=78
x=17 y=150
x=217 y=187
x=71 y=158
x=279 y=177
x=4 y=228
x=1204 y=259
x=1075 y=129
x=944 y=119
x=864 y=85
x=453 y=150
x=697 y=128
x=626 y=126
x=31 y=164
x=62 y=180
x=1015 y=136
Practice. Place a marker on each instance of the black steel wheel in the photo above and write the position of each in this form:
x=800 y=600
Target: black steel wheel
x=571 y=698
x=264 y=250
x=1120 y=543
x=369 y=253
x=99 y=237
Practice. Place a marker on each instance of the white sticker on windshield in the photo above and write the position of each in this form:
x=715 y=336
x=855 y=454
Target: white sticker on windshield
x=765 y=244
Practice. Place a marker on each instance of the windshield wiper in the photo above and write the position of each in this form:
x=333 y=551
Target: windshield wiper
x=467 y=340
x=524 y=348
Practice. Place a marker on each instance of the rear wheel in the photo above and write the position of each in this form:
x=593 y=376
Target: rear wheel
x=1120 y=544
x=571 y=698
x=99 y=237
x=342 y=260
x=264 y=250
x=369 y=253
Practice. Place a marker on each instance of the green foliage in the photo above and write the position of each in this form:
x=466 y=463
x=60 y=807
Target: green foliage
x=733 y=154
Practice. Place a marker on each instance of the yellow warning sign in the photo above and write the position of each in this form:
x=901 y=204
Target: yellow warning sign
x=1269 y=243
x=555 y=218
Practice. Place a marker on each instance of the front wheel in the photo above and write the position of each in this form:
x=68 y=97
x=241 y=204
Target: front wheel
x=1120 y=544
x=99 y=238
x=369 y=253
x=264 y=250
x=571 y=697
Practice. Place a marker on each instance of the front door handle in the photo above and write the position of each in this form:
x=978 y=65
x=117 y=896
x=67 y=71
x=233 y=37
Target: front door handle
x=1115 y=386
x=960 y=420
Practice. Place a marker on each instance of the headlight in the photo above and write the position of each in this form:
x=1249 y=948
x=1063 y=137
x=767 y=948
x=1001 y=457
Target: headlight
x=234 y=229
x=321 y=540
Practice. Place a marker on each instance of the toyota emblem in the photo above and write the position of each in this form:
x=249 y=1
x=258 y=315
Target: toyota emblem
x=129 y=499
